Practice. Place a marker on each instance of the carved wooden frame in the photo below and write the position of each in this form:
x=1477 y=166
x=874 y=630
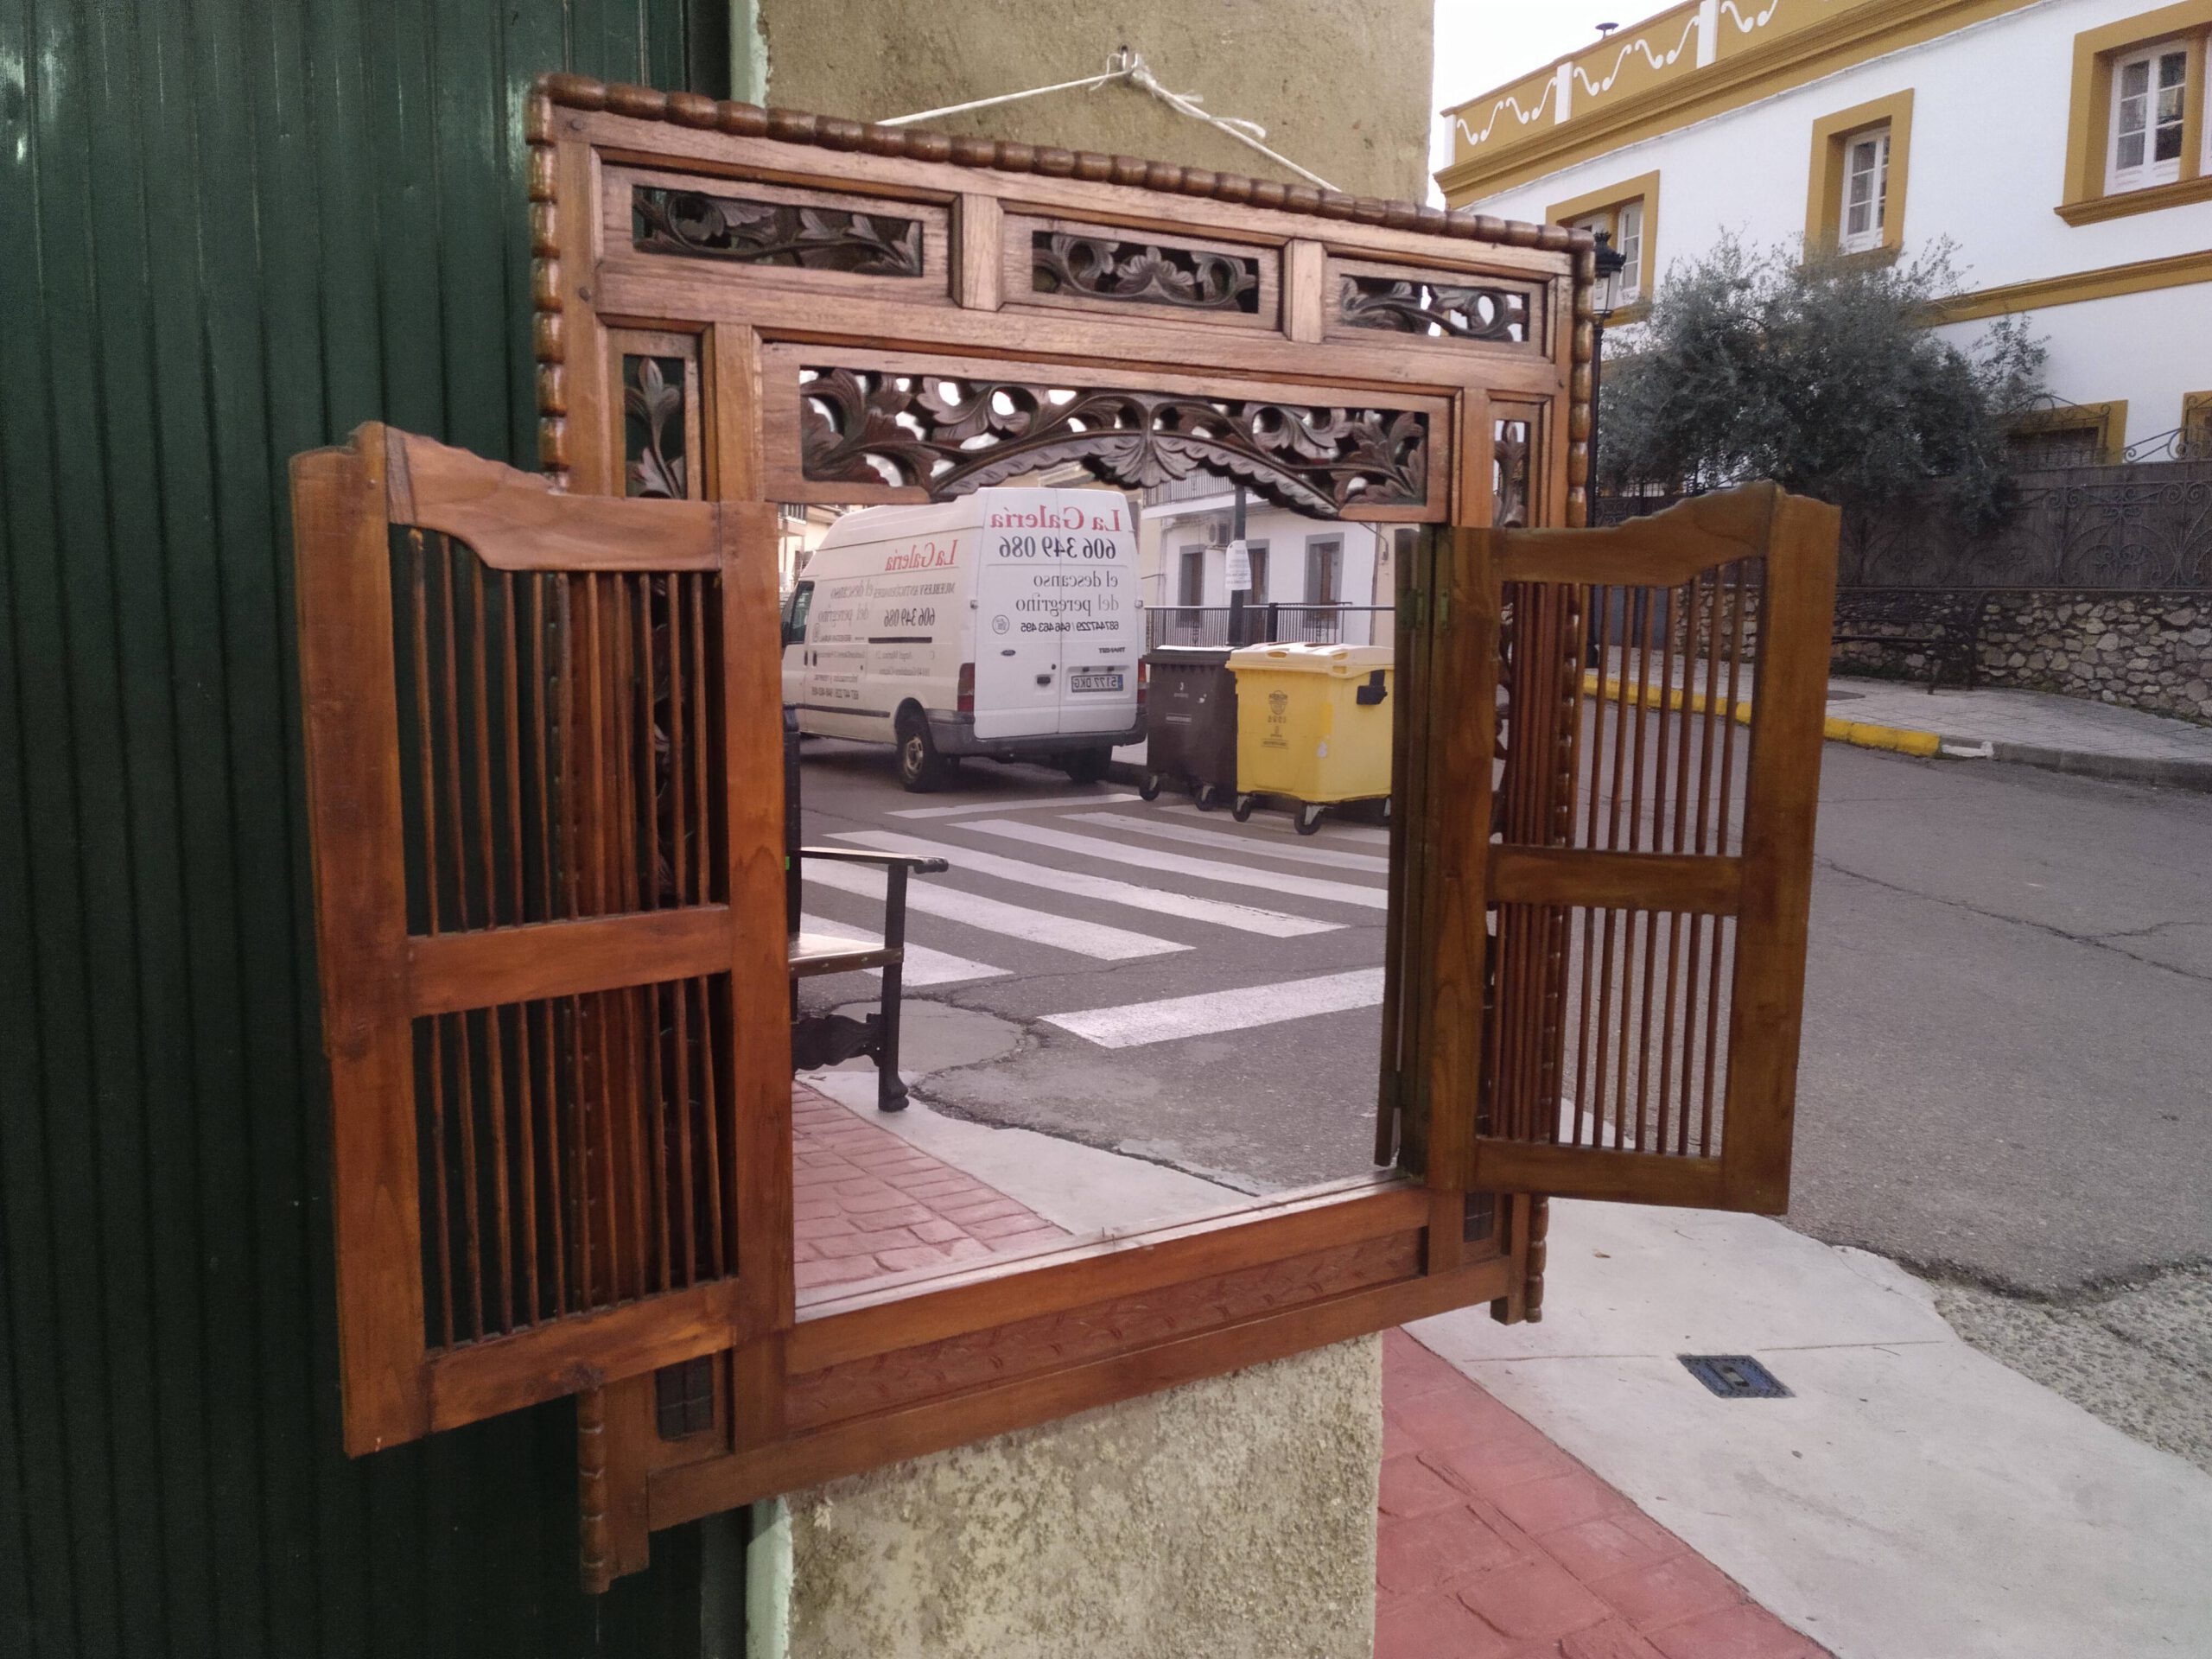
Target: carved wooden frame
x=894 y=1372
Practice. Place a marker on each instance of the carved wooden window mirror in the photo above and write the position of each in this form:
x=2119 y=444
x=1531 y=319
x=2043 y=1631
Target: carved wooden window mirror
x=543 y=719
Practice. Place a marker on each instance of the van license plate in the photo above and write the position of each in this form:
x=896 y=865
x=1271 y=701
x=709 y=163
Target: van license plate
x=1094 y=682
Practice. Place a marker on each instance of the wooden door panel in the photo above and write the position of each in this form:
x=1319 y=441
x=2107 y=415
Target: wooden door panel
x=1656 y=693
x=525 y=852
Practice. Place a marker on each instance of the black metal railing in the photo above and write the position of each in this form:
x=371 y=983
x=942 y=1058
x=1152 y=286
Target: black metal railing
x=1270 y=625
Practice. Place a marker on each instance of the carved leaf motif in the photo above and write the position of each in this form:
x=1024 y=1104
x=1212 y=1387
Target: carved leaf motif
x=1413 y=306
x=654 y=435
x=1158 y=273
x=701 y=225
x=951 y=435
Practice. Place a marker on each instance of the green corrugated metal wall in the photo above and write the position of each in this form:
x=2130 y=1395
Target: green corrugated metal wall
x=229 y=230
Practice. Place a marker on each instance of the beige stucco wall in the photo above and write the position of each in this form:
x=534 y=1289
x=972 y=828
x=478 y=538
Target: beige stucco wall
x=1229 y=1519
x=1342 y=89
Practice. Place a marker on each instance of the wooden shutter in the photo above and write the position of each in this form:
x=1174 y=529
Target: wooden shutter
x=542 y=737
x=1620 y=822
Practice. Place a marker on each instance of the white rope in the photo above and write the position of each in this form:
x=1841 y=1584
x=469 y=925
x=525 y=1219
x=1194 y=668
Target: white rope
x=1130 y=66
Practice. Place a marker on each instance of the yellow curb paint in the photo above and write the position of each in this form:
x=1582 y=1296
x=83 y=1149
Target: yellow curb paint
x=1861 y=734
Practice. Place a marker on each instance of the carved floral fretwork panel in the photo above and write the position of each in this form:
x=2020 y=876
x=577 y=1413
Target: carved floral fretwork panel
x=1511 y=457
x=748 y=231
x=1155 y=273
x=653 y=436
x=1411 y=306
x=949 y=434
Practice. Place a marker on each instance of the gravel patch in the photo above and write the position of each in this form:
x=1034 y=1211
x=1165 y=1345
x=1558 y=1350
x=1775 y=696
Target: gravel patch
x=2140 y=1357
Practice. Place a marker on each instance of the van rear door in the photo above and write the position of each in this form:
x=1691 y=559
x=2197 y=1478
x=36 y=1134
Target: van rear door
x=1105 y=639
x=1019 y=605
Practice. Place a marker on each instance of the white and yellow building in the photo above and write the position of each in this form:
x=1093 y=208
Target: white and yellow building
x=2064 y=146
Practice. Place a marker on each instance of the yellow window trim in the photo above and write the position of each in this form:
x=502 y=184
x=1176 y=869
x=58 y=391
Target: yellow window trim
x=2108 y=420
x=2196 y=417
x=1832 y=137
x=1643 y=187
x=2088 y=122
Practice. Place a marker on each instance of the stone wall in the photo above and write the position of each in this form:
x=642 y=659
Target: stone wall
x=2147 y=651
x=1343 y=90
x=1232 y=1518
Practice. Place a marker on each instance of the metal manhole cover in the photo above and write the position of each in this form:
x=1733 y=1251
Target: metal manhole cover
x=1734 y=1376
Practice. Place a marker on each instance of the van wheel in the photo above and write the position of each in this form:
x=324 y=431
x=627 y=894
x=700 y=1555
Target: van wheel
x=1087 y=765
x=921 y=768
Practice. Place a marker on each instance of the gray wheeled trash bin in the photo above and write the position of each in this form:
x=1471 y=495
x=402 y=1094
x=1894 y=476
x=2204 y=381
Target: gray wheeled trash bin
x=1190 y=723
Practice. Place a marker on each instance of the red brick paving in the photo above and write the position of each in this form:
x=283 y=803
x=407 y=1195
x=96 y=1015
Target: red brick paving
x=867 y=1203
x=1495 y=1544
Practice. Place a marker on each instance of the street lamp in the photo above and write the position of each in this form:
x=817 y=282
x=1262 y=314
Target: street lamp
x=1610 y=263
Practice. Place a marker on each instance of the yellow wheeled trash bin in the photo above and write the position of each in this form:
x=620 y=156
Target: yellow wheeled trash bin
x=1313 y=723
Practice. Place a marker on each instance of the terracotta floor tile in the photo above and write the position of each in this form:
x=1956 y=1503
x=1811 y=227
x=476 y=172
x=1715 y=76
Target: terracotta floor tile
x=1438 y=1550
x=811 y=1275
x=1411 y=1487
x=1685 y=1586
x=1434 y=1626
x=1745 y=1631
x=897 y=1215
x=1532 y=1600
x=1610 y=1640
x=1608 y=1544
x=1487 y=1468
x=1538 y=1507
x=908 y=1257
x=968 y=1213
x=937 y=1232
x=838 y=1246
x=1453 y=1417
x=860 y=1197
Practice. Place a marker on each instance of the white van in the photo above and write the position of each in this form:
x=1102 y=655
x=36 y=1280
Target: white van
x=1005 y=623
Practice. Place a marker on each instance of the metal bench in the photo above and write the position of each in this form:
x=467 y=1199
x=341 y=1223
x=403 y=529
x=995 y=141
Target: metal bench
x=821 y=1039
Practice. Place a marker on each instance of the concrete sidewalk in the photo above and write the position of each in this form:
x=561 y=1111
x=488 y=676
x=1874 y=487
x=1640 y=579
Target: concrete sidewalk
x=1913 y=1499
x=2029 y=727
x=2032 y=727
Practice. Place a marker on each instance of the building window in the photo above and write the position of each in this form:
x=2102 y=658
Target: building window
x=1191 y=577
x=1325 y=560
x=2139 y=133
x=1627 y=213
x=1856 y=204
x=2070 y=434
x=1258 y=552
x=1623 y=228
x=2149 y=116
x=1866 y=182
x=2196 y=427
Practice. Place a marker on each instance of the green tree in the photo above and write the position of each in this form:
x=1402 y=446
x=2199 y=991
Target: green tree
x=1822 y=374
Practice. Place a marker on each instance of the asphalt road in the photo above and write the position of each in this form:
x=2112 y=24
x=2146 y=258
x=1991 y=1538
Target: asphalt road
x=2007 y=1065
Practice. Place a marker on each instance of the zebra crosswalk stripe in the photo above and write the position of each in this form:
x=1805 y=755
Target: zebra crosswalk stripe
x=1245 y=919
x=1207 y=869
x=924 y=966
x=1133 y=1025
x=1275 y=823
x=1334 y=858
x=930 y=898
x=1009 y=803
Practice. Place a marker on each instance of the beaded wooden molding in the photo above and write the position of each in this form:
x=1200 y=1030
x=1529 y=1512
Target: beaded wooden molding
x=1406 y=227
